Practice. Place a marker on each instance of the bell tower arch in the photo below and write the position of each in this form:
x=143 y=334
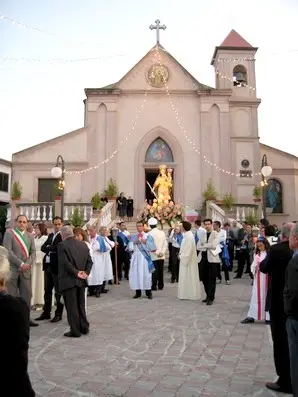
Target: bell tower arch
x=234 y=64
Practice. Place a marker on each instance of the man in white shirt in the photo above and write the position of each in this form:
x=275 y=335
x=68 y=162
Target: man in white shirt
x=222 y=234
x=158 y=257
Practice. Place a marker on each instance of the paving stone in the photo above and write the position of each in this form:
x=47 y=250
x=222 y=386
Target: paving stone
x=159 y=348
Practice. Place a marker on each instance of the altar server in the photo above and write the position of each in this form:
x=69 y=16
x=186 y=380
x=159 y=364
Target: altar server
x=141 y=267
x=102 y=269
x=260 y=285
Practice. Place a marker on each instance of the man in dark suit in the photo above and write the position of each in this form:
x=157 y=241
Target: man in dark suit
x=275 y=264
x=50 y=267
x=21 y=248
x=291 y=308
x=74 y=266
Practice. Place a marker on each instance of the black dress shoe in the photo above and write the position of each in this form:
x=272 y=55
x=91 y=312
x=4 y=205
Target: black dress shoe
x=276 y=387
x=56 y=319
x=237 y=277
x=43 y=316
x=248 y=320
x=85 y=331
x=136 y=296
x=71 y=335
x=154 y=288
x=104 y=291
x=209 y=302
x=205 y=300
x=33 y=324
x=149 y=296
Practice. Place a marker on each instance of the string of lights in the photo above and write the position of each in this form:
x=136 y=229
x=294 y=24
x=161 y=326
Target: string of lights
x=222 y=76
x=185 y=134
x=125 y=139
x=60 y=60
x=49 y=34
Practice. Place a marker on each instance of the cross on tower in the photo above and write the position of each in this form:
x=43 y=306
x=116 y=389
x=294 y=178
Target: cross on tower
x=157 y=27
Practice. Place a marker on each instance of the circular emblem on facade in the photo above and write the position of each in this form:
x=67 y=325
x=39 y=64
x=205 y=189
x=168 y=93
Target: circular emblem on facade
x=158 y=75
x=245 y=163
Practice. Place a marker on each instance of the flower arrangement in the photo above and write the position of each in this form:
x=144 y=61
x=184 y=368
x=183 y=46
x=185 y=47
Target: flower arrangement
x=166 y=212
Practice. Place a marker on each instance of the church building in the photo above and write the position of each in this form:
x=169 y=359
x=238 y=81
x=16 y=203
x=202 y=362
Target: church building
x=158 y=113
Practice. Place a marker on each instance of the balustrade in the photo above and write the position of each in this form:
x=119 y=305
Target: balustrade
x=239 y=212
x=46 y=211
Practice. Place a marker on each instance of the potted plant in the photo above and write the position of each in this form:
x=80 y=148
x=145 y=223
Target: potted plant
x=257 y=193
x=252 y=219
x=95 y=200
x=77 y=218
x=16 y=191
x=228 y=201
x=58 y=192
x=210 y=193
x=111 y=191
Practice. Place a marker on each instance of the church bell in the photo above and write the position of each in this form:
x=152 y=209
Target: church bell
x=240 y=77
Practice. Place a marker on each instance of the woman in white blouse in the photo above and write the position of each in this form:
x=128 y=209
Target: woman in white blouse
x=37 y=281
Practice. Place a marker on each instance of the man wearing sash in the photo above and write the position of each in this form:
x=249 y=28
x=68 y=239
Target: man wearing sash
x=125 y=236
x=141 y=266
x=21 y=247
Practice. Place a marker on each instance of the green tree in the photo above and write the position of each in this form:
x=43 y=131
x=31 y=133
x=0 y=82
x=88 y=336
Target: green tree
x=77 y=218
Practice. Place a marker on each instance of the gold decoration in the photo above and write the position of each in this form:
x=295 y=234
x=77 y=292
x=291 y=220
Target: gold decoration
x=158 y=75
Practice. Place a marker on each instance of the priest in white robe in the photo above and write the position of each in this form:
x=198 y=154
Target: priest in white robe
x=102 y=269
x=141 y=266
x=189 y=281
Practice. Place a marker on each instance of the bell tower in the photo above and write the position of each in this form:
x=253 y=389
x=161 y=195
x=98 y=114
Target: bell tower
x=234 y=64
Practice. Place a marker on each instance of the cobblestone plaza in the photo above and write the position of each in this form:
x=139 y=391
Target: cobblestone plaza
x=158 y=348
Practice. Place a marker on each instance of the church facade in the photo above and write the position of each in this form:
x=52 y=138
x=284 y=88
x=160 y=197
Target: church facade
x=160 y=114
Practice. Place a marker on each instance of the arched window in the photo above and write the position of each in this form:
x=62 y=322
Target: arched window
x=239 y=76
x=159 y=151
x=274 y=196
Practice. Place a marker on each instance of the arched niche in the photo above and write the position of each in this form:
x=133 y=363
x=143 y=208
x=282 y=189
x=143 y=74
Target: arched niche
x=274 y=196
x=239 y=76
x=159 y=152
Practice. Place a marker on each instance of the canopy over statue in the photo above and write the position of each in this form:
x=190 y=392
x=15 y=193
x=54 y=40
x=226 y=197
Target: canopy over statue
x=163 y=184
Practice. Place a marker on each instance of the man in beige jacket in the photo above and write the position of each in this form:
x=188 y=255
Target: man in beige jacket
x=158 y=257
x=208 y=258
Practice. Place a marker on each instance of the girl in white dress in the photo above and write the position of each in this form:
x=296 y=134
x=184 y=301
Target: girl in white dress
x=260 y=285
x=37 y=275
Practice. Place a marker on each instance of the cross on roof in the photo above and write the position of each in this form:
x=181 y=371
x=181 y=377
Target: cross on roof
x=157 y=27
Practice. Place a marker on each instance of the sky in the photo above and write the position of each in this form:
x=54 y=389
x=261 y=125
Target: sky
x=44 y=99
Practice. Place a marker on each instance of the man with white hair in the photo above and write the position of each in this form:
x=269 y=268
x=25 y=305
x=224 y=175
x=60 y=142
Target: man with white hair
x=275 y=265
x=74 y=266
x=291 y=308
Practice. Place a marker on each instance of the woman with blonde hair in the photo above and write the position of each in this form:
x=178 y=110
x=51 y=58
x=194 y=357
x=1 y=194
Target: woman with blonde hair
x=14 y=334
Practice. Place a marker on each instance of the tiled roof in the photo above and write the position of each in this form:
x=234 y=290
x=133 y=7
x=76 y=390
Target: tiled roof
x=234 y=39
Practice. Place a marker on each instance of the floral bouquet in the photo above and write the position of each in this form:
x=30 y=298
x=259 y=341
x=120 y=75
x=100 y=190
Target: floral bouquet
x=166 y=212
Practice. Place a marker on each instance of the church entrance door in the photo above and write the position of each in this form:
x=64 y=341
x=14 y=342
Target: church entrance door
x=150 y=176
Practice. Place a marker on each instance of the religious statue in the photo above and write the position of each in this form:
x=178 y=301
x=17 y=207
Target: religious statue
x=158 y=75
x=163 y=184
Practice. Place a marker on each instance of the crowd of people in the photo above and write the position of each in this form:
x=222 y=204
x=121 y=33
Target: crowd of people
x=74 y=263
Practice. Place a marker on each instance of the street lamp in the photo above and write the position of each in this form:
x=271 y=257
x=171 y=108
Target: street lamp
x=266 y=172
x=58 y=172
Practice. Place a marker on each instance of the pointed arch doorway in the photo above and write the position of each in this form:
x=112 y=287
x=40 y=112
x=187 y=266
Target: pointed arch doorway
x=157 y=147
x=159 y=152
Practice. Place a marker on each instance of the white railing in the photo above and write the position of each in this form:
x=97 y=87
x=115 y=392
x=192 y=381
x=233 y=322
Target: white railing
x=238 y=212
x=46 y=211
x=104 y=217
x=215 y=213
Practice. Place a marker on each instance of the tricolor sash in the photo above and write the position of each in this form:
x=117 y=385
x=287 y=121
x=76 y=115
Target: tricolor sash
x=22 y=243
x=144 y=251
